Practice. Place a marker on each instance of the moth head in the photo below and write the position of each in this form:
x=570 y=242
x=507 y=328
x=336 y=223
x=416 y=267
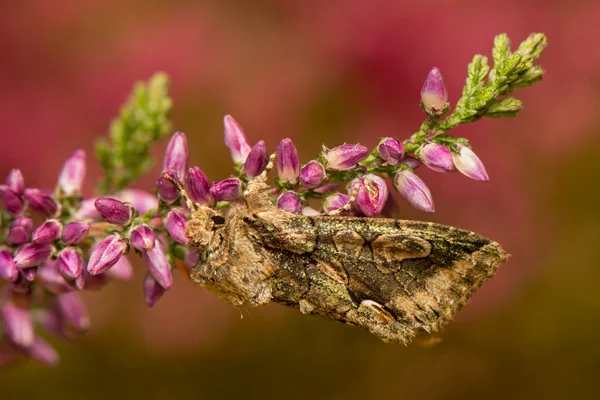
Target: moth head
x=204 y=224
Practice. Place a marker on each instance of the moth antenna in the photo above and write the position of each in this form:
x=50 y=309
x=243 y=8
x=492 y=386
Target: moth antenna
x=190 y=204
x=348 y=205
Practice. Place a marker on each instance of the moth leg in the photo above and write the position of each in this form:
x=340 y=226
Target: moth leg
x=256 y=193
x=190 y=204
x=348 y=205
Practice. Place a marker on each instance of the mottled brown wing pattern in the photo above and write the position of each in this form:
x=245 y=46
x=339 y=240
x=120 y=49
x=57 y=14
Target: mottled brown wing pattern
x=391 y=277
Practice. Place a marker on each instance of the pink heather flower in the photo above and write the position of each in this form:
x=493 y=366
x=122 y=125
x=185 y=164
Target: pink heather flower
x=18 y=325
x=87 y=210
x=469 y=164
x=73 y=311
x=74 y=232
x=256 y=161
x=49 y=278
x=372 y=194
x=152 y=290
x=166 y=190
x=42 y=352
x=70 y=264
x=158 y=266
x=15 y=181
x=335 y=202
x=413 y=189
x=8 y=268
x=106 y=254
x=390 y=150
x=197 y=187
x=20 y=230
x=11 y=200
x=312 y=174
x=41 y=202
x=434 y=94
x=176 y=155
x=73 y=173
x=345 y=156
x=29 y=274
x=32 y=254
x=235 y=140
x=227 y=190
x=175 y=222
x=437 y=157
x=122 y=270
x=142 y=237
x=141 y=200
x=47 y=232
x=410 y=162
x=114 y=211
x=288 y=166
x=290 y=202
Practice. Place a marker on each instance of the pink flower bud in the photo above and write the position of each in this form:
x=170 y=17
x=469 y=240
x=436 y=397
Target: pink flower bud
x=32 y=254
x=142 y=237
x=74 y=232
x=47 y=232
x=42 y=352
x=18 y=325
x=290 y=202
x=72 y=175
x=141 y=200
x=390 y=150
x=372 y=194
x=469 y=164
x=288 y=166
x=122 y=270
x=166 y=190
x=227 y=190
x=8 y=268
x=113 y=211
x=175 y=222
x=437 y=157
x=197 y=187
x=413 y=189
x=235 y=140
x=20 y=230
x=412 y=163
x=73 y=311
x=87 y=210
x=345 y=156
x=11 y=200
x=41 y=202
x=106 y=254
x=176 y=155
x=29 y=274
x=15 y=181
x=335 y=202
x=70 y=264
x=158 y=266
x=434 y=94
x=49 y=278
x=257 y=160
x=152 y=290
x=312 y=174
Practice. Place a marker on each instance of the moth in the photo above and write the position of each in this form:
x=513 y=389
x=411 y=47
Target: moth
x=394 y=278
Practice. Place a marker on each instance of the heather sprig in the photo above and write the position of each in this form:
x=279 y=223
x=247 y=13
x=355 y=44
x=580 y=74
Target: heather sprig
x=54 y=244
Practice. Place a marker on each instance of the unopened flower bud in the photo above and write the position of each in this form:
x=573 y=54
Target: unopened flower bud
x=51 y=280
x=413 y=189
x=166 y=190
x=47 y=232
x=290 y=202
x=345 y=156
x=411 y=162
x=469 y=164
x=20 y=230
x=434 y=94
x=70 y=264
x=113 y=211
x=227 y=190
x=176 y=155
x=15 y=181
x=288 y=166
x=235 y=140
x=29 y=273
x=74 y=232
x=142 y=237
x=372 y=194
x=312 y=174
x=437 y=157
x=87 y=210
x=197 y=187
x=152 y=290
x=257 y=160
x=106 y=254
x=32 y=254
x=335 y=202
x=8 y=268
x=11 y=200
x=42 y=352
x=390 y=150
x=122 y=270
x=141 y=200
x=158 y=266
x=72 y=174
x=18 y=325
x=73 y=311
x=175 y=222
x=41 y=202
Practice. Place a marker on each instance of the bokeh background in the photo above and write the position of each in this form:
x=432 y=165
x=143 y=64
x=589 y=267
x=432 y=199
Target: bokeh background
x=324 y=72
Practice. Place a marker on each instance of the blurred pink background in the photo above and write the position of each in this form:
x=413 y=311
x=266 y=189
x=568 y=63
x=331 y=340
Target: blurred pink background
x=324 y=72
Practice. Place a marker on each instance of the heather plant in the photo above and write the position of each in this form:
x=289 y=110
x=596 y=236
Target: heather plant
x=55 y=244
